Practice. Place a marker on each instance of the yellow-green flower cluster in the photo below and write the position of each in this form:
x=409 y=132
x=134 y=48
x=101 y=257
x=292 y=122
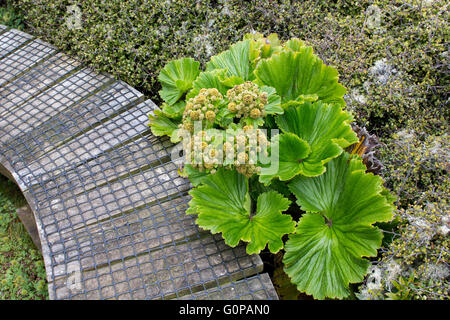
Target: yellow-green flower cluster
x=204 y=150
x=247 y=101
x=203 y=107
x=241 y=151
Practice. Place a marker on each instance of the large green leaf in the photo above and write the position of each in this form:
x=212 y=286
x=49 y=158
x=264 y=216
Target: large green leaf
x=263 y=47
x=299 y=75
x=294 y=44
x=257 y=188
x=223 y=204
x=235 y=60
x=212 y=79
x=325 y=127
x=326 y=252
x=161 y=125
x=177 y=77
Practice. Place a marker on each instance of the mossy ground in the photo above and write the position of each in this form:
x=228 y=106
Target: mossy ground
x=9 y=15
x=22 y=272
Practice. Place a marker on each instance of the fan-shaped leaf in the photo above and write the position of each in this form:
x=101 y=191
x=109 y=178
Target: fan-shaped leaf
x=294 y=44
x=222 y=203
x=177 y=77
x=235 y=60
x=273 y=105
x=326 y=129
x=292 y=152
x=326 y=252
x=174 y=111
x=195 y=176
x=231 y=81
x=257 y=188
x=262 y=47
x=295 y=74
x=211 y=79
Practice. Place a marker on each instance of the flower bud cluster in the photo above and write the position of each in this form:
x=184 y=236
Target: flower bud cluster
x=246 y=147
x=247 y=101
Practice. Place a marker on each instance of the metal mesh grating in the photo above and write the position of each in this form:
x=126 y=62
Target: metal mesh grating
x=45 y=106
x=253 y=288
x=109 y=202
x=35 y=81
x=23 y=59
x=72 y=122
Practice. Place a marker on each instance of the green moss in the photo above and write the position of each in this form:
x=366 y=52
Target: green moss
x=415 y=264
x=22 y=271
x=416 y=167
x=392 y=55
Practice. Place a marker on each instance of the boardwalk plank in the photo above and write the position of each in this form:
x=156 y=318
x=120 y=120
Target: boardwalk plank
x=34 y=82
x=112 y=199
x=11 y=40
x=135 y=232
x=89 y=145
x=45 y=106
x=258 y=287
x=145 y=152
x=70 y=123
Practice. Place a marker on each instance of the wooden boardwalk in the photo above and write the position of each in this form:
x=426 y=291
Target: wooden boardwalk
x=108 y=202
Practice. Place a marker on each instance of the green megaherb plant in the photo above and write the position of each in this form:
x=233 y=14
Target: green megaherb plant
x=325 y=254
x=22 y=271
x=264 y=83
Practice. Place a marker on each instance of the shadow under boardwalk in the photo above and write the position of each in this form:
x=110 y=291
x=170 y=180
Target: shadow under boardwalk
x=109 y=204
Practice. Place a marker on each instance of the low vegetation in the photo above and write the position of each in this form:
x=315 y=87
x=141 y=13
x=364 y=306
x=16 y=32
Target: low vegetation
x=391 y=55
